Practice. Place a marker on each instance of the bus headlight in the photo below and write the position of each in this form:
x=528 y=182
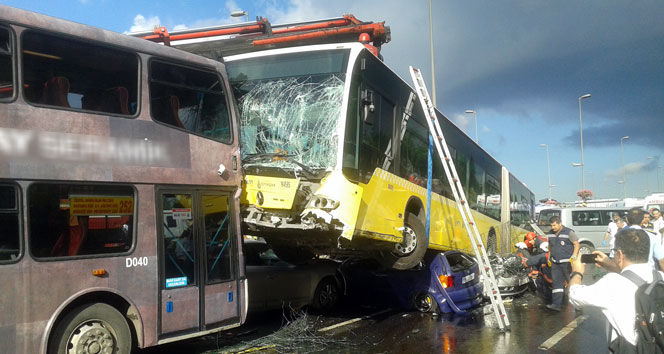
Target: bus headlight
x=318 y=202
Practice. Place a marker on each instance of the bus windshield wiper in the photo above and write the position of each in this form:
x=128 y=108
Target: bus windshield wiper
x=278 y=155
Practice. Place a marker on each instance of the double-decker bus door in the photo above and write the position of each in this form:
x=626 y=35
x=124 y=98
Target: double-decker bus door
x=198 y=262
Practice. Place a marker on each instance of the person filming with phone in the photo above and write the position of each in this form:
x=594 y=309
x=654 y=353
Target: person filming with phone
x=615 y=293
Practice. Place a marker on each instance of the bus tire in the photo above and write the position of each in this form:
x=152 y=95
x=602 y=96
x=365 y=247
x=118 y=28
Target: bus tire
x=492 y=241
x=401 y=258
x=92 y=328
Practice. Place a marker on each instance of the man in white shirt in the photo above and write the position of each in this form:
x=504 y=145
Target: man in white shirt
x=614 y=294
x=657 y=221
x=612 y=230
x=635 y=218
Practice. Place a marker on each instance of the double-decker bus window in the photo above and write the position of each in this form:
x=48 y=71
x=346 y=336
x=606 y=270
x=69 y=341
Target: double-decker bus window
x=67 y=73
x=218 y=241
x=179 y=241
x=69 y=220
x=10 y=245
x=6 y=66
x=189 y=99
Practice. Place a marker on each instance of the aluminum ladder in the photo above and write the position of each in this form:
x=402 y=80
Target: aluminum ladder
x=459 y=196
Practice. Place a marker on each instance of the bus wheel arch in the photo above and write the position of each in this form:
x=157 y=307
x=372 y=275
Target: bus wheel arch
x=108 y=300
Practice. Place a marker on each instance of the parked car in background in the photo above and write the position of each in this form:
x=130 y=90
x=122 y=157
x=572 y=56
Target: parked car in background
x=589 y=224
x=444 y=281
x=275 y=284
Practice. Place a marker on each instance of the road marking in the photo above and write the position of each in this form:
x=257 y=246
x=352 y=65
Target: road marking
x=329 y=328
x=551 y=342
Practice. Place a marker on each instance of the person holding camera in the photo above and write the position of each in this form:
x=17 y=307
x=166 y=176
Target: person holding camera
x=563 y=248
x=614 y=294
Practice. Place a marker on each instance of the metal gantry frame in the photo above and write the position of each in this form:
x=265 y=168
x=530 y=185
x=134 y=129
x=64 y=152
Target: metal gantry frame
x=488 y=277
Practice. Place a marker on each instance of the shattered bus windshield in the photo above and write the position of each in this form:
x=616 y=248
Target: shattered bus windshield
x=289 y=106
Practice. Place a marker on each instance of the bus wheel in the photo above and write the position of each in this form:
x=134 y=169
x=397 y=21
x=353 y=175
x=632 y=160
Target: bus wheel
x=409 y=252
x=92 y=328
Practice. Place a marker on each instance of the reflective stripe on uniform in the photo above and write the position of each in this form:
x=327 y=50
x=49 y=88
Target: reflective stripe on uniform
x=557 y=291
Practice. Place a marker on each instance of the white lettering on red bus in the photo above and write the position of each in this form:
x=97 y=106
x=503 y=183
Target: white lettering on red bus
x=136 y=262
x=81 y=148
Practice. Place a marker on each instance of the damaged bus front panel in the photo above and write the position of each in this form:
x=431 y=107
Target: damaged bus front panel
x=291 y=118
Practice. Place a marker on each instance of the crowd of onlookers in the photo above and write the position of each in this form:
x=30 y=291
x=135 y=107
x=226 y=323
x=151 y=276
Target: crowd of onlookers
x=634 y=264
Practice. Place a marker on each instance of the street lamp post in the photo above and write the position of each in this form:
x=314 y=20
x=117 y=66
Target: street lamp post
x=240 y=13
x=622 y=157
x=574 y=164
x=583 y=178
x=647 y=177
x=623 y=183
x=433 y=75
x=548 y=168
x=470 y=111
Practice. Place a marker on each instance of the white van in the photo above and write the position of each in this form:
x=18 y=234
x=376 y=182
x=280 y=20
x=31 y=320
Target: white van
x=589 y=224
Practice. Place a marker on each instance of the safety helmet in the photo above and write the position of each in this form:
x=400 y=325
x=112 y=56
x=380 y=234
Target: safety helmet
x=529 y=236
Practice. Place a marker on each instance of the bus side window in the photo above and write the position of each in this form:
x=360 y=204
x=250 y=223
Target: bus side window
x=64 y=72
x=10 y=237
x=69 y=220
x=189 y=99
x=55 y=92
x=6 y=67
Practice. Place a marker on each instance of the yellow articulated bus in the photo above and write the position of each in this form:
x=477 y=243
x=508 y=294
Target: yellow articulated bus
x=334 y=148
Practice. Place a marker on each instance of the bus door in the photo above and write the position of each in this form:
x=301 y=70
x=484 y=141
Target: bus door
x=198 y=262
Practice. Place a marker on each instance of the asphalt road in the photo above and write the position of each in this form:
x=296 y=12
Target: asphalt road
x=366 y=329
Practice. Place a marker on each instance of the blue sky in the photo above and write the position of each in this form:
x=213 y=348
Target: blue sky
x=521 y=65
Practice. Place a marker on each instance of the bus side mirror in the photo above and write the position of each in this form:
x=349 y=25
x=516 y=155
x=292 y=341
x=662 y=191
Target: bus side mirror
x=368 y=106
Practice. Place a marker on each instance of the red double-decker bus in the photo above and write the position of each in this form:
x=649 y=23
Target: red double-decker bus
x=119 y=191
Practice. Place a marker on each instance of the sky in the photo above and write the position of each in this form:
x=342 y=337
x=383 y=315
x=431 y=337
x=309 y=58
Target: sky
x=520 y=64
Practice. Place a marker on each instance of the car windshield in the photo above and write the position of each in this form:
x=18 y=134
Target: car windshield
x=290 y=106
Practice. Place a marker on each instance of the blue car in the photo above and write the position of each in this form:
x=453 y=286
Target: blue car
x=444 y=282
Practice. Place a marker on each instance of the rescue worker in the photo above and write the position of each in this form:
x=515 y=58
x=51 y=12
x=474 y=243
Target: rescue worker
x=564 y=248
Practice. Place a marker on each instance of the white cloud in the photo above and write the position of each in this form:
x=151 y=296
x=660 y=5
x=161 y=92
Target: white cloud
x=144 y=24
x=465 y=122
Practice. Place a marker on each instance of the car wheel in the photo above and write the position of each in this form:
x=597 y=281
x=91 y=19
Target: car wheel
x=92 y=328
x=585 y=248
x=326 y=295
x=409 y=252
x=424 y=302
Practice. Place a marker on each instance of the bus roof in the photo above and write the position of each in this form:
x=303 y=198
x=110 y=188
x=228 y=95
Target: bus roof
x=30 y=19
